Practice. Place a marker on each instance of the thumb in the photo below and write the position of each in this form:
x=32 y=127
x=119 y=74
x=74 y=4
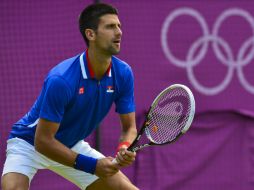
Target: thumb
x=110 y=158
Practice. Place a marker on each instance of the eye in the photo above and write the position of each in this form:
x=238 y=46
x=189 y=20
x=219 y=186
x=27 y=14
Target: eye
x=110 y=26
x=113 y=26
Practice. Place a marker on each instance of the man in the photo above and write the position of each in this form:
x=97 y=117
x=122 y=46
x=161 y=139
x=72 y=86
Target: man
x=76 y=95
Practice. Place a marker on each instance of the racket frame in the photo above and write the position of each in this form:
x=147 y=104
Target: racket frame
x=146 y=123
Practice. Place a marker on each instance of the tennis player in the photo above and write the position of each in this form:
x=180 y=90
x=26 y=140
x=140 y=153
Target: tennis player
x=76 y=95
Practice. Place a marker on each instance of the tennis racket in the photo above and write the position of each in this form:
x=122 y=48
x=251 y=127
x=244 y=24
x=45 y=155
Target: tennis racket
x=169 y=117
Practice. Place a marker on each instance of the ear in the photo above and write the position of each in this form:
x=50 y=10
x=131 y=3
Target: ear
x=90 y=34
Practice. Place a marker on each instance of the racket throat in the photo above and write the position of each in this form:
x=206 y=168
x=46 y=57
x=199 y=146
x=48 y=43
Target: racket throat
x=135 y=149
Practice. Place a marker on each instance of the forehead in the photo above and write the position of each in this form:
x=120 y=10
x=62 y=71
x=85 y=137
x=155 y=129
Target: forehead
x=109 y=19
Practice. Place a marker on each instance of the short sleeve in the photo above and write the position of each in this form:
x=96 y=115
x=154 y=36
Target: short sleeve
x=57 y=95
x=125 y=101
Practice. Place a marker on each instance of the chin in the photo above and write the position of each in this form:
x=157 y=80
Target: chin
x=115 y=51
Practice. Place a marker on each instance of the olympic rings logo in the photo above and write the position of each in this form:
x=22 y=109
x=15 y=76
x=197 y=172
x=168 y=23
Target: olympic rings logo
x=227 y=58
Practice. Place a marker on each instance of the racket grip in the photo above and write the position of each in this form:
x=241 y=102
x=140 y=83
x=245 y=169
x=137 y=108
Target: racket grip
x=114 y=161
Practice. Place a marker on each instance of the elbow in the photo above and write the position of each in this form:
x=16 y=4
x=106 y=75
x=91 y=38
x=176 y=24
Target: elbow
x=40 y=145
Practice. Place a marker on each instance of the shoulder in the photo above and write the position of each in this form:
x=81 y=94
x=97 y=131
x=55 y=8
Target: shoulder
x=65 y=66
x=57 y=82
x=121 y=67
x=65 y=73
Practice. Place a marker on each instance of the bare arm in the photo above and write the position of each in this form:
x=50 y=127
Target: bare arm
x=128 y=134
x=129 y=130
x=46 y=144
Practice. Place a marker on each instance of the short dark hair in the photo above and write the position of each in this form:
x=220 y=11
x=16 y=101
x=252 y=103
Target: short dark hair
x=90 y=17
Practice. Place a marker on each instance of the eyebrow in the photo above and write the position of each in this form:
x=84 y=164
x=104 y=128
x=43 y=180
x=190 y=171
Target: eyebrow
x=113 y=24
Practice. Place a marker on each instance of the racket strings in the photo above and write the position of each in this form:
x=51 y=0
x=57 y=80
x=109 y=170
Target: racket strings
x=169 y=116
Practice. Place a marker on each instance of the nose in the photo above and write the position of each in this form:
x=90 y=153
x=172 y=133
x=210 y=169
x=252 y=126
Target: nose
x=119 y=31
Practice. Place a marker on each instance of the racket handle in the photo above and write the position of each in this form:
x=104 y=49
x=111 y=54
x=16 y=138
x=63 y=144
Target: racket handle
x=114 y=161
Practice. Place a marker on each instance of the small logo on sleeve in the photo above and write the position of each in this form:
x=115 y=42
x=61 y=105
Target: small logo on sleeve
x=110 y=89
x=81 y=90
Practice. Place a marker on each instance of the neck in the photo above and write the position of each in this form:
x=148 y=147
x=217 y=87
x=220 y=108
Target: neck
x=99 y=62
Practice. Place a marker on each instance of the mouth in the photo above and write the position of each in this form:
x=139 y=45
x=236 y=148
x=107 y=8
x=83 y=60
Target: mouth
x=117 y=42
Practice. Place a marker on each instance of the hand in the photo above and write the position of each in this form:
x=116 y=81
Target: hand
x=105 y=167
x=124 y=157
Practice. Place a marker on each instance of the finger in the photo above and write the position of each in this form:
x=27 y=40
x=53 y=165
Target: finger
x=119 y=157
x=115 y=165
x=111 y=174
x=130 y=153
x=126 y=155
x=114 y=170
x=129 y=156
x=120 y=160
x=110 y=158
x=123 y=161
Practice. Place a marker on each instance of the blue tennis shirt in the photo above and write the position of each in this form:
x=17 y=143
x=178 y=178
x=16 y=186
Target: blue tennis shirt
x=73 y=97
